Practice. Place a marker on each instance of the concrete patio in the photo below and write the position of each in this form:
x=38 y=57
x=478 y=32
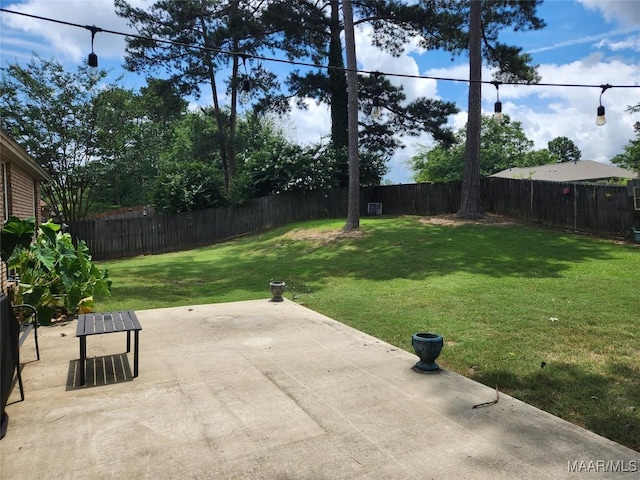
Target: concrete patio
x=263 y=390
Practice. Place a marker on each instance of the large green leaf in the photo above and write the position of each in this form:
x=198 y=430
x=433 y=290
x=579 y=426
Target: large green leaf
x=57 y=277
x=50 y=230
x=16 y=234
x=74 y=295
x=46 y=257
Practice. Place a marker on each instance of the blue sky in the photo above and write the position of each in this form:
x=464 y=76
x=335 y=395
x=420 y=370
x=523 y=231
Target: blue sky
x=585 y=41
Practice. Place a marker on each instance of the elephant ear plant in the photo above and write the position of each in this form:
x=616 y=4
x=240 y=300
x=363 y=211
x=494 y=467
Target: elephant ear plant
x=55 y=276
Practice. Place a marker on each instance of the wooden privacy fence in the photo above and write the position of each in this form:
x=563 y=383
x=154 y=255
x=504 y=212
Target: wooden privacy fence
x=126 y=237
x=591 y=208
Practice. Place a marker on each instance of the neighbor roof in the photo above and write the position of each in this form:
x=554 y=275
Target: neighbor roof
x=13 y=152
x=579 y=171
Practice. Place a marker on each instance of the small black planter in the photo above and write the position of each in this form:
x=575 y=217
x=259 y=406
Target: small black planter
x=277 y=289
x=428 y=347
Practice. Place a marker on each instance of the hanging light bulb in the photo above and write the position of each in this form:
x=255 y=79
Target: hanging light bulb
x=245 y=92
x=376 y=110
x=497 y=107
x=600 y=118
x=92 y=60
x=497 y=112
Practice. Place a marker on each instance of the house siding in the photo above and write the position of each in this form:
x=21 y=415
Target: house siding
x=4 y=182
x=23 y=194
x=20 y=178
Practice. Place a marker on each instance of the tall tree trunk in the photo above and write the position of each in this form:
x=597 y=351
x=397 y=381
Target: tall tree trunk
x=470 y=202
x=221 y=133
x=353 y=211
x=231 y=140
x=338 y=85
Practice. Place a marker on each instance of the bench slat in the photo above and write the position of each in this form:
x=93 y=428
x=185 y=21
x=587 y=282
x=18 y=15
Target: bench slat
x=107 y=322
x=99 y=324
x=131 y=320
x=118 y=322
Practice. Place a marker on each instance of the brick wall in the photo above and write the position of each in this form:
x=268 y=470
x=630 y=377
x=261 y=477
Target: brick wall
x=22 y=200
x=4 y=213
x=4 y=181
x=22 y=193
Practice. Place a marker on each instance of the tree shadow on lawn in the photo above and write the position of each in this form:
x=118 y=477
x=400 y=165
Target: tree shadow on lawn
x=602 y=403
x=386 y=251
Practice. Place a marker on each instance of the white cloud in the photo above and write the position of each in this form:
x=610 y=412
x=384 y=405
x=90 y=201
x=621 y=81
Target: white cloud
x=629 y=43
x=308 y=126
x=546 y=112
x=591 y=70
x=371 y=58
x=20 y=43
x=67 y=41
x=626 y=12
x=601 y=37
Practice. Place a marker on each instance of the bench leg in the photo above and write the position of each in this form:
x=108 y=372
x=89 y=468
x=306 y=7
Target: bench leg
x=19 y=373
x=35 y=335
x=83 y=359
x=128 y=341
x=135 y=353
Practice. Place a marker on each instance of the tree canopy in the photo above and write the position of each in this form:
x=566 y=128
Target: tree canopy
x=629 y=158
x=109 y=147
x=394 y=22
x=50 y=112
x=564 y=150
x=198 y=34
x=124 y=144
x=201 y=38
x=503 y=145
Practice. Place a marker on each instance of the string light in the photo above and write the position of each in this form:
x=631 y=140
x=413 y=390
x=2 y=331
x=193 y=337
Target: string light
x=497 y=107
x=327 y=67
x=376 y=109
x=601 y=119
x=245 y=92
x=92 y=61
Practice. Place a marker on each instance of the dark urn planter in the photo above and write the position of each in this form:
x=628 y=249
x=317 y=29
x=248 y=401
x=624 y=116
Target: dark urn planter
x=277 y=289
x=428 y=347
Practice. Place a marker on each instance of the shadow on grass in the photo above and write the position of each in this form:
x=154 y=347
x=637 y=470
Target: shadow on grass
x=390 y=248
x=598 y=402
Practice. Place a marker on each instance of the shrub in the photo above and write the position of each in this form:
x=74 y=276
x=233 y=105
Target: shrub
x=55 y=277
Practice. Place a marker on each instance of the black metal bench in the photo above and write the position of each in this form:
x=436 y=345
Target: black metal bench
x=29 y=324
x=13 y=333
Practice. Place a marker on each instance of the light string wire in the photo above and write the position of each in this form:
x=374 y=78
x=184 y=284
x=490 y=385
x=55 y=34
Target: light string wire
x=93 y=28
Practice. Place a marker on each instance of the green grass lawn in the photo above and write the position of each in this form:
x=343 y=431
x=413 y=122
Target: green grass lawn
x=506 y=298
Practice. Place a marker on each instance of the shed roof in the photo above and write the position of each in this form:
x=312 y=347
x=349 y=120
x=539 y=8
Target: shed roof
x=11 y=151
x=580 y=171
